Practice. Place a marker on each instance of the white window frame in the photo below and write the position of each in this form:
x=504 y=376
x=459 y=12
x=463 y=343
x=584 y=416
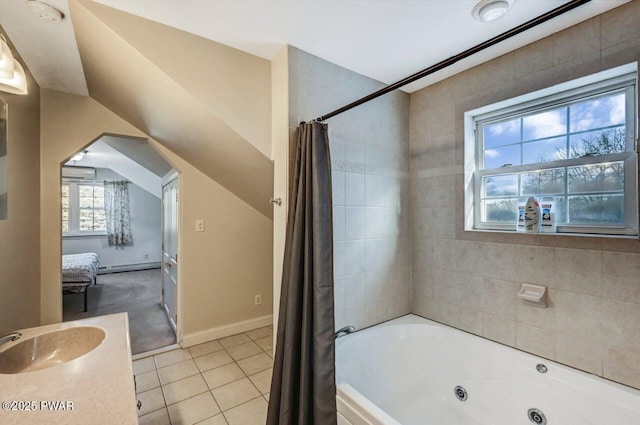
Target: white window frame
x=74 y=211
x=620 y=78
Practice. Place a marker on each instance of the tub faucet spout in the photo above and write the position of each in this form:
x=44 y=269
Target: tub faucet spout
x=10 y=337
x=345 y=331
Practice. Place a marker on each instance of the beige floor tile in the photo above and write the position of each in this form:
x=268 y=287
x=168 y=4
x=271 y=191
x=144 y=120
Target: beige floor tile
x=216 y=420
x=159 y=417
x=143 y=365
x=213 y=360
x=193 y=410
x=184 y=389
x=235 y=393
x=206 y=348
x=253 y=412
x=151 y=400
x=146 y=381
x=254 y=364
x=230 y=341
x=262 y=380
x=171 y=357
x=265 y=343
x=242 y=351
x=266 y=397
x=223 y=375
x=260 y=333
x=177 y=371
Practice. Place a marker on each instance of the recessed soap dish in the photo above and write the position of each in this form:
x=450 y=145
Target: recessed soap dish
x=535 y=295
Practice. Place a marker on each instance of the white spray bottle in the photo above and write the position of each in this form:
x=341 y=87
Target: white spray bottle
x=532 y=216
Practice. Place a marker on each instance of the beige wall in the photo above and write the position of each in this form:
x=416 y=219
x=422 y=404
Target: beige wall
x=370 y=176
x=470 y=280
x=213 y=109
x=221 y=269
x=20 y=232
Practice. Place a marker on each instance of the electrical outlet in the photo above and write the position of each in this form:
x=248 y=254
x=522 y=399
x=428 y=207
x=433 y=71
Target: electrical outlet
x=200 y=225
x=257 y=299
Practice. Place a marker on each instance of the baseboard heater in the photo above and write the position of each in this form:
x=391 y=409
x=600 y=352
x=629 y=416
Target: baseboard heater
x=129 y=267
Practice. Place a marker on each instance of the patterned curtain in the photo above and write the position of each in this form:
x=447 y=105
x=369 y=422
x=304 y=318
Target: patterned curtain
x=116 y=206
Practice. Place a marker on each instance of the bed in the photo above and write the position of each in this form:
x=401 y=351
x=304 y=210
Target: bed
x=79 y=271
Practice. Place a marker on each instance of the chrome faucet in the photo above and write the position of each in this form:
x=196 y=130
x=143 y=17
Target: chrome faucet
x=345 y=331
x=10 y=337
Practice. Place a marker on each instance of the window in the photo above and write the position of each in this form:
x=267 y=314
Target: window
x=573 y=144
x=83 y=209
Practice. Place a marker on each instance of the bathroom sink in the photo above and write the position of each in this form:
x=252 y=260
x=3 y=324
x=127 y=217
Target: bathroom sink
x=50 y=349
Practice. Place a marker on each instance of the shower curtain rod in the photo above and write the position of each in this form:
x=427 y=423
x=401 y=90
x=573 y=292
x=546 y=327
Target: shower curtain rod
x=450 y=61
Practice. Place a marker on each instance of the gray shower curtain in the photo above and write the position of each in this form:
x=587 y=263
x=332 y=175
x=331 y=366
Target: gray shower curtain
x=303 y=390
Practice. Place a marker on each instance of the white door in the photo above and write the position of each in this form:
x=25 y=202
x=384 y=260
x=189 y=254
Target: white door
x=170 y=250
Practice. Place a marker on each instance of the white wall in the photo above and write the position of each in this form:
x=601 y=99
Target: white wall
x=145 y=228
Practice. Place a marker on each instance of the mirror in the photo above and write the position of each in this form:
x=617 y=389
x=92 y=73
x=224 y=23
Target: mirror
x=3 y=160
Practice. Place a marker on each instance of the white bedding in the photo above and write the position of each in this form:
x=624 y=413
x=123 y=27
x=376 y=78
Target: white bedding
x=80 y=267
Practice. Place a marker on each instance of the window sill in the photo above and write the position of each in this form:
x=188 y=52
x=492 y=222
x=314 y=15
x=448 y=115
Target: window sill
x=589 y=235
x=84 y=235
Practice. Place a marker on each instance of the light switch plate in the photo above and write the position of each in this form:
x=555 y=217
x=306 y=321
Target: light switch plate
x=200 y=225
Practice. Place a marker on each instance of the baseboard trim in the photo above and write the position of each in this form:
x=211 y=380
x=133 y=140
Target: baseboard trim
x=129 y=267
x=207 y=335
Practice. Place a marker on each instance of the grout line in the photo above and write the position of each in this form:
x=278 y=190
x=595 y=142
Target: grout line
x=201 y=373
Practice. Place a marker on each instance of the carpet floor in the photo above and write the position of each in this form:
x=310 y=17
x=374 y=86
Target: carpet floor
x=139 y=294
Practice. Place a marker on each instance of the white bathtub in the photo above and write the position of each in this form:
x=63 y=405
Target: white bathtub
x=404 y=372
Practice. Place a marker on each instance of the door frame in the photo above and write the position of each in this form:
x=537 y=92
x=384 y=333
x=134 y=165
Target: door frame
x=167 y=178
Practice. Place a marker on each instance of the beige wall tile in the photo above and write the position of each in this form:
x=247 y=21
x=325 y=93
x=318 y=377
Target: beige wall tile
x=579 y=352
x=579 y=315
x=620 y=276
x=622 y=366
x=499 y=329
x=500 y=298
x=621 y=325
x=579 y=271
x=538 y=341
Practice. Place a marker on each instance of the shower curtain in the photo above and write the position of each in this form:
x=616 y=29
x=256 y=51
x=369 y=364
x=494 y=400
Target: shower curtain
x=116 y=208
x=303 y=390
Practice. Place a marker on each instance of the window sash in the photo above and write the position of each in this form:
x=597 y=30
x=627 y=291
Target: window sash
x=624 y=84
x=74 y=211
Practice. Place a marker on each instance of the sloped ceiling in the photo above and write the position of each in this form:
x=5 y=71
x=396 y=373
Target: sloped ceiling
x=100 y=154
x=140 y=151
x=140 y=71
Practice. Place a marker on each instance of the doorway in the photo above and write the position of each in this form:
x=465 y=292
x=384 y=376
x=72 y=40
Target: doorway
x=129 y=262
x=170 y=213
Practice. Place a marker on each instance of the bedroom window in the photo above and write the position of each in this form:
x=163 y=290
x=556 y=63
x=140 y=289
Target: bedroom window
x=573 y=145
x=83 y=209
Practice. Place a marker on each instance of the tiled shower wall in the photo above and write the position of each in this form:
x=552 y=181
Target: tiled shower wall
x=370 y=170
x=470 y=280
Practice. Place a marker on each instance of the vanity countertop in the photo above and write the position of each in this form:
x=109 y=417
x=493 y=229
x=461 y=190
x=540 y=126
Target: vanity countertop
x=99 y=385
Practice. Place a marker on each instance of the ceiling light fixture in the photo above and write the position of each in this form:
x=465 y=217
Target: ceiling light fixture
x=491 y=10
x=6 y=60
x=79 y=156
x=12 y=77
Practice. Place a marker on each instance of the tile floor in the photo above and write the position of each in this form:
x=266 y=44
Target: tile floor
x=223 y=382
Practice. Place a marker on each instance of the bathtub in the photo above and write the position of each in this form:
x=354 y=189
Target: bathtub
x=404 y=372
